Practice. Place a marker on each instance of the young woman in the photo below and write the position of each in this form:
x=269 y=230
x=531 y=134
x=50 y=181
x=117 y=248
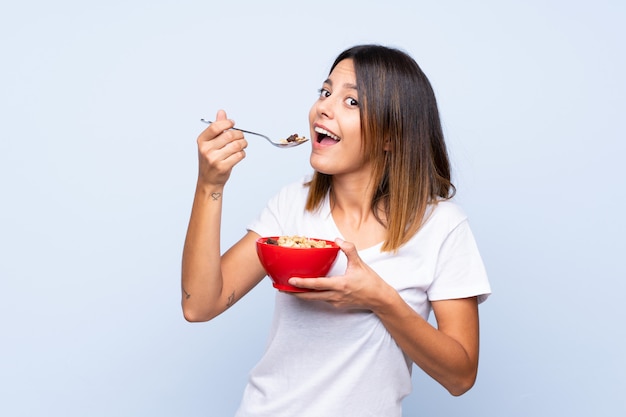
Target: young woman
x=381 y=187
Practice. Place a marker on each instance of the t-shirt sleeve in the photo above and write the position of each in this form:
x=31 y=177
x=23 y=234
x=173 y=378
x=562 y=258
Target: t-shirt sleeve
x=460 y=272
x=281 y=211
x=267 y=222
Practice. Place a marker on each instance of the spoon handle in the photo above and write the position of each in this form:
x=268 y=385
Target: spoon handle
x=236 y=128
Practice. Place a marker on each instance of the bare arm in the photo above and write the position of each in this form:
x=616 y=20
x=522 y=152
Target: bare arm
x=210 y=282
x=448 y=353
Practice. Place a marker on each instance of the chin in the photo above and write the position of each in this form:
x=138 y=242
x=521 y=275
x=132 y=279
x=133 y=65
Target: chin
x=323 y=167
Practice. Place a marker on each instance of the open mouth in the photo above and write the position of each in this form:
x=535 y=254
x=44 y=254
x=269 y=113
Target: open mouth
x=326 y=137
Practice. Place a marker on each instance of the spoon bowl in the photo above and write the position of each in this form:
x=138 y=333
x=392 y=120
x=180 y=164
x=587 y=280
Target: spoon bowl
x=290 y=142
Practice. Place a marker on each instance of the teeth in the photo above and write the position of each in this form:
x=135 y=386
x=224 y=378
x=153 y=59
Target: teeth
x=327 y=133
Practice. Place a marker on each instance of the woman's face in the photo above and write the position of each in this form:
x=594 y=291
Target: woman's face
x=335 y=124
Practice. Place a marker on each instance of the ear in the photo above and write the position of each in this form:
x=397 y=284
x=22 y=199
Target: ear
x=387 y=146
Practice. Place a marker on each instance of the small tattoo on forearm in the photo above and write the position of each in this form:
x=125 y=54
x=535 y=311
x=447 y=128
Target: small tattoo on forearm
x=187 y=295
x=231 y=300
x=216 y=196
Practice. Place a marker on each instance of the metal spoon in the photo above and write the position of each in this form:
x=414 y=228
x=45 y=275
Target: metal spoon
x=290 y=142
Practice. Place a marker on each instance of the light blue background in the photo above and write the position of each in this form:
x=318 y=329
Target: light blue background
x=99 y=108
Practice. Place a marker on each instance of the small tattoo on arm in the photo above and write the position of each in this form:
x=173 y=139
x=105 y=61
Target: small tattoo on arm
x=231 y=300
x=216 y=196
x=187 y=295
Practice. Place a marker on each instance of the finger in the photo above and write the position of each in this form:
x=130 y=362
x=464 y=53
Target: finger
x=218 y=139
x=230 y=141
x=226 y=149
x=320 y=284
x=234 y=158
x=348 y=249
x=221 y=115
x=216 y=128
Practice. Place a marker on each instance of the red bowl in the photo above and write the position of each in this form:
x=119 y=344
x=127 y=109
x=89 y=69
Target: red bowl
x=282 y=263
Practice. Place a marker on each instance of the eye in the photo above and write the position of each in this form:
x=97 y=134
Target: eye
x=323 y=93
x=352 y=102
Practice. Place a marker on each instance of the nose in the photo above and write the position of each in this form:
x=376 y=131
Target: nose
x=324 y=108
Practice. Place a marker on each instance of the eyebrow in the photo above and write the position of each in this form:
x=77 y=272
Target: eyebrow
x=346 y=85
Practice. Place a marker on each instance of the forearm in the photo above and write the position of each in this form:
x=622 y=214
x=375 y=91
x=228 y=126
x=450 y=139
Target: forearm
x=450 y=360
x=202 y=283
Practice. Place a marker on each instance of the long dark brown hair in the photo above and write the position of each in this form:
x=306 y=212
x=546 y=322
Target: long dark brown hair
x=402 y=138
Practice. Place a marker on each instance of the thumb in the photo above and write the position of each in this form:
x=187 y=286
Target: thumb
x=349 y=249
x=221 y=115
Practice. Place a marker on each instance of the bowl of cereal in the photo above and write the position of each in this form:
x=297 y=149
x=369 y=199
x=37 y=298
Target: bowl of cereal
x=284 y=257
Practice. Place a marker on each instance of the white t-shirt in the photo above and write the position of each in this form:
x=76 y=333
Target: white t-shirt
x=324 y=362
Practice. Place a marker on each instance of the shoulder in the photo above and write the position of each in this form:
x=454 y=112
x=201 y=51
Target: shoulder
x=295 y=190
x=290 y=199
x=446 y=212
x=282 y=211
x=441 y=220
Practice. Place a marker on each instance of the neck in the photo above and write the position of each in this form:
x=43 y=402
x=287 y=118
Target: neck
x=350 y=200
x=352 y=196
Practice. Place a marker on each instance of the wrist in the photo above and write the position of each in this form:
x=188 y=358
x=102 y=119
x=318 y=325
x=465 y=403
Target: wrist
x=210 y=192
x=386 y=300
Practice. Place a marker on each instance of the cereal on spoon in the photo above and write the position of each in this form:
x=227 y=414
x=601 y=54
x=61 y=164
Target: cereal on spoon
x=294 y=138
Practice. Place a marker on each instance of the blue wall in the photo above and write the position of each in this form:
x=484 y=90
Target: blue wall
x=100 y=108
